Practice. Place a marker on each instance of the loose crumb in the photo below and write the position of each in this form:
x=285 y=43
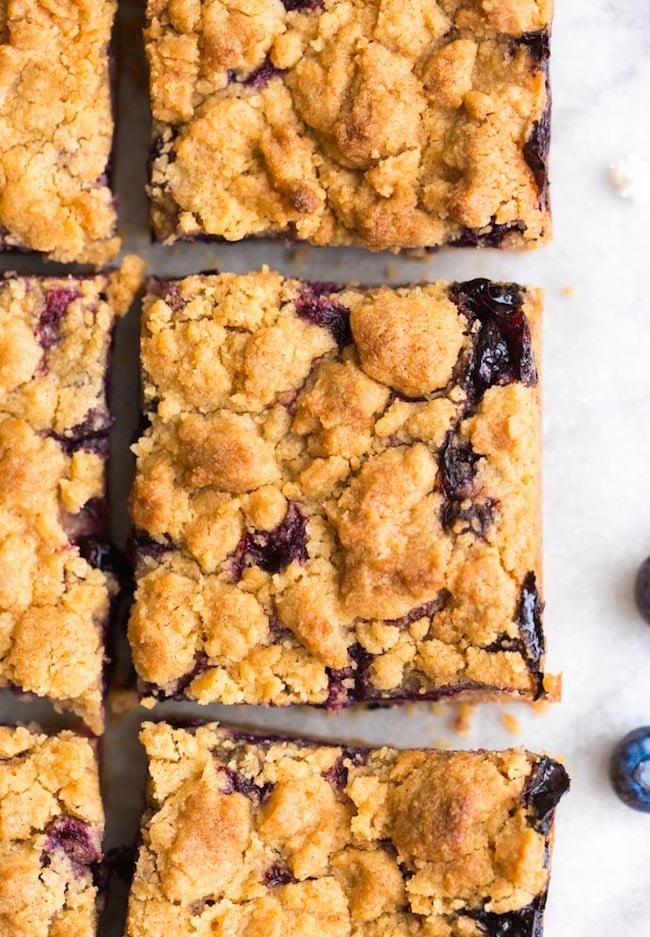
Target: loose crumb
x=462 y=721
x=569 y=291
x=630 y=176
x=511 y=723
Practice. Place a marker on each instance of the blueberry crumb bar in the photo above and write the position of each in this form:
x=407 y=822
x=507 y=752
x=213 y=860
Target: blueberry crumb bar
x=249 y=836
x=388 y=124
x=51 y=832
x=337 y=496
x=56 y=578
x=56 y=129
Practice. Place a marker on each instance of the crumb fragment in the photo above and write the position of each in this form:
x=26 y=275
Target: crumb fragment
x=511 y=723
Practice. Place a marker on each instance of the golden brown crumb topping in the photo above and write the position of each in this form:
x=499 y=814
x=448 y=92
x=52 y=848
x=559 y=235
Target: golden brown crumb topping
x=51 y=830
x=383 y=123
x=56 y=129
x=256 y=837
x=55 y=337
x=333 y=517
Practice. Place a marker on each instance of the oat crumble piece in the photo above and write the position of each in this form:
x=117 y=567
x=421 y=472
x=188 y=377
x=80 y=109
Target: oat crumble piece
x=338 y=493
x=384 y=123
x=247 y=836
x=57 y=578
x=56 y=129
x=51 y=832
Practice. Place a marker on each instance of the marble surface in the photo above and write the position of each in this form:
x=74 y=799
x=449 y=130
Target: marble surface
x=597 y=455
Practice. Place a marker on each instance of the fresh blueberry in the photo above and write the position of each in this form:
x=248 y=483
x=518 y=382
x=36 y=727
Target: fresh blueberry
x=642 y=590
x=56 y=303
x=630 y=769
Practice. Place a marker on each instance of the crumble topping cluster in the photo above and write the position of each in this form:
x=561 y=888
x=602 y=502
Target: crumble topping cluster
x=257 y=837
x=56 y=128
x=384 y=123
x=338 y=493
x=51 y=828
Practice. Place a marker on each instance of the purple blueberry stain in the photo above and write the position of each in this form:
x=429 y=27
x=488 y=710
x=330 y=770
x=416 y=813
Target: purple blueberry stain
x=348 y=684
x=238 y=783
x=89 y=435
x=428 y=610
x=303 y=6
x=49 y=322
x=75 y=839
x=258 y=79
x=277 y=875
x=337 y=775
x=315 y=305
x=150 y=689
x=502 y=345
x=273 y=550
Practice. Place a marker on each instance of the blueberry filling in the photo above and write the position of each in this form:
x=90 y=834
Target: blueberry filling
x=477 y=518
x=337 y=775
x=150 y=689
x=503 y=351
x=277 y=875
x=458 y=462
x=347 y=684
x=524 y=923
x=547 y=783
x=240 y=784
x=143 y=544
x=303 y=6
x=257 y=79
x=428 y=610
x=529 y=620
x=89 y=435
x=273 y=550
x=536 y=149
x=73 y=837
x=101 y=554
x=539 y=44
x=315 y=305
x=49 y=322
x=498 y=233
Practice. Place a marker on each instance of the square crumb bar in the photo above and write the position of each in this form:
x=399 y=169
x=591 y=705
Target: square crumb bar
x=388 y=124
x=51 y=832
x=56 y=579
x=338 y=493
x=56 y=129
x=266 y=837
